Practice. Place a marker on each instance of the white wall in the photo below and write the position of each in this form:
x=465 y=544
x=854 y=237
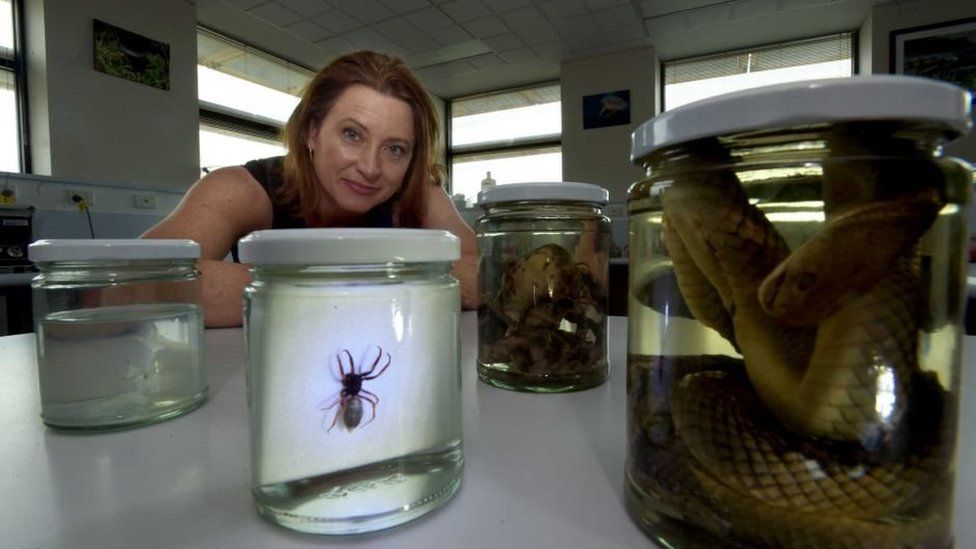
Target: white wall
x=865 y=62
x=46 y=193
x=602 y=155
x=116 y=211
x=92 y=127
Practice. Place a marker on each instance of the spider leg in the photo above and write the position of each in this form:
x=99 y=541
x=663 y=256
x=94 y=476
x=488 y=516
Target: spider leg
x=326 y=405
x=368 y=395
x=373 y=400
x=375 y=362
x=338 y=414
x=332 y=403
x=352 y=365
x=369 y=374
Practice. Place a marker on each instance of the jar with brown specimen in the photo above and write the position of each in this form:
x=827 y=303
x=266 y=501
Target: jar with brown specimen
x=542 y=324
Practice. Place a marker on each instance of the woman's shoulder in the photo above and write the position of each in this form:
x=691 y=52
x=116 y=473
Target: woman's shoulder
x=266 y=171
x=219 y=208
x=271 y=162
x=230 y=187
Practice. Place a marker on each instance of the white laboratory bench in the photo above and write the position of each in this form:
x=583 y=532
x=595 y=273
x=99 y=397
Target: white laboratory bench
x=541 y=471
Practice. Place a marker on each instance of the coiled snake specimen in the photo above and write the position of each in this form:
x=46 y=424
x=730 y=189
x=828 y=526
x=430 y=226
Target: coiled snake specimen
x=832 y=435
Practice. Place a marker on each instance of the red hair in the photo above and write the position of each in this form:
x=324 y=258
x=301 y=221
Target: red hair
x=301 y=193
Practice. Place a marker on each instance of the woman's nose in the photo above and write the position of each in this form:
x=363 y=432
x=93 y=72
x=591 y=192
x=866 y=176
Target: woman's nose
x=369 y=163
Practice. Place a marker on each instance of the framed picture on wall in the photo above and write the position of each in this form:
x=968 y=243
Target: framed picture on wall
x=946 y=51
x=606 y=109
x=128 y=55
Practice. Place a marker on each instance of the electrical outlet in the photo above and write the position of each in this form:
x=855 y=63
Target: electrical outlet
x=145 y=201
x=88 y=195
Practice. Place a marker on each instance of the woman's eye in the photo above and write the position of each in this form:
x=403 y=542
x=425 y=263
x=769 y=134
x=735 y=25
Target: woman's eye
x=351 y=134
x=397 y=151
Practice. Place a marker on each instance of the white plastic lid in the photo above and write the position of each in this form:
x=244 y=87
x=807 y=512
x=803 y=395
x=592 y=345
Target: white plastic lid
x=551 y=190
x=113 y=249
x=869 y=97
x=347 y=246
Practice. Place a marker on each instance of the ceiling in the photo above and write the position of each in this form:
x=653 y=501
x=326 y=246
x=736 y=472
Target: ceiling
x=460 y=47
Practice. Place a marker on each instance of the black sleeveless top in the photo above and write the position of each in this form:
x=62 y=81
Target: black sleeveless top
x=269 y=172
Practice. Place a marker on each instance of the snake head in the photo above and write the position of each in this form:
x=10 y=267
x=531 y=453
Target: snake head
x=846 y=258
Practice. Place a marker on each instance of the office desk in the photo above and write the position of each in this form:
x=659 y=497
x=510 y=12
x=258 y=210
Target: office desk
x=542 y=471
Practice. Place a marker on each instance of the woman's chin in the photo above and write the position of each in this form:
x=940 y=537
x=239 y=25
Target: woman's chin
x=359 y=205
x=347 y=204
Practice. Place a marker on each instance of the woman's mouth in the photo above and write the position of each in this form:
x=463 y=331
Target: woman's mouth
x=360 y=188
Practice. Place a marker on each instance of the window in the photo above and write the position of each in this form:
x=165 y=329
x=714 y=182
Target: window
x=246 y=96
x=515 y=135
x=689 y=80
x=10 y=143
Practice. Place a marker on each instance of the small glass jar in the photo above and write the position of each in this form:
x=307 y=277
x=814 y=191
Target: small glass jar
x=353 y=376
x=542 y=323
x=796 y=289
x=119 y=328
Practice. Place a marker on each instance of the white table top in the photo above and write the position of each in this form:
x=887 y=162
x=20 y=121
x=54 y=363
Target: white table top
x=541 y=471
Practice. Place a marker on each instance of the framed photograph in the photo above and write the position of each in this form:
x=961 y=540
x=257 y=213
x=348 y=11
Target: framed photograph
x=946 y=51
x=128 y=55
x=606 y=109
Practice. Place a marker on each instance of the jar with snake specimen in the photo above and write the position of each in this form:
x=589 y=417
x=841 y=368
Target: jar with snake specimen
x=353 y=376
x=542 y=323
x=796 y=287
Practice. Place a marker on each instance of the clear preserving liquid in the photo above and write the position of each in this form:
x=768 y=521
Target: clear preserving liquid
x=315 y=466
x=115 y=367
x=359 y=499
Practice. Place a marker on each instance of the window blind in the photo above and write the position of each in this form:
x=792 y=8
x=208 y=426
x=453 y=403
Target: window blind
x=236 y=59
x=835 y=47
x=512 y=99
x=221 y=121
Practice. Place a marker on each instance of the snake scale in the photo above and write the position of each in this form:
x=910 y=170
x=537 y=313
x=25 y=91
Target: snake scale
x=830 y=435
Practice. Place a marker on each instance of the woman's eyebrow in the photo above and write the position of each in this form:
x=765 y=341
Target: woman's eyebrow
x=365 y=129
x=354 y=122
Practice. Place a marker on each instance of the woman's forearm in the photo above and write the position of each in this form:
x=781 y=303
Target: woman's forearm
x=466 y=271
x=223 y=290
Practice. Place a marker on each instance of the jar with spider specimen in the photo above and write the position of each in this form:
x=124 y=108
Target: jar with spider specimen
x=542 y=323
x=119 y=330
x=353 y=376
x=796 y=290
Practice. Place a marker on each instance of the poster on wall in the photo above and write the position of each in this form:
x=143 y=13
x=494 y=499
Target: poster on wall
x=128 y=55
x=606 y=109
x=946 y=51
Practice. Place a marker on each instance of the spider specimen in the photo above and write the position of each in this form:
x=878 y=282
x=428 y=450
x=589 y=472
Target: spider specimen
x=352 y=395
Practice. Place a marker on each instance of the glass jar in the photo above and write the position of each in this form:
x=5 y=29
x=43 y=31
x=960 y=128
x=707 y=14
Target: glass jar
x=542 y=323
x=353 y=375
x=794 y=342
x=119 y=327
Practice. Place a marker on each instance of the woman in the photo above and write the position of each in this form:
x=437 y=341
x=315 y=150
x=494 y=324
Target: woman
x=361 y=147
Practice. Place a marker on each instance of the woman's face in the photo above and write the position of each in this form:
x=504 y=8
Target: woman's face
x=361 y=150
